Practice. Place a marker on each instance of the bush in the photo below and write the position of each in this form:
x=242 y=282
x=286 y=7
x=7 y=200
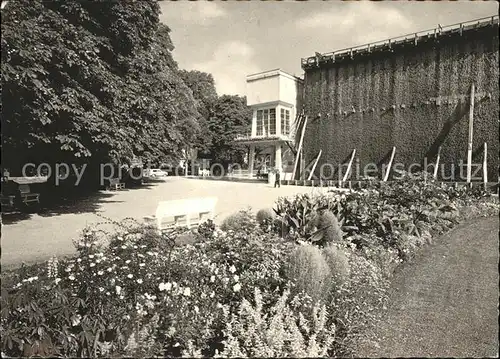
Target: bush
x=265 y=217
x=328 y=229
x=279 y=332
x=339 y=265
x=241 y=221
x=308 y=270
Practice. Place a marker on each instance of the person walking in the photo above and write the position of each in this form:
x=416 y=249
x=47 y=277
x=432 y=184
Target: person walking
x=277 y=181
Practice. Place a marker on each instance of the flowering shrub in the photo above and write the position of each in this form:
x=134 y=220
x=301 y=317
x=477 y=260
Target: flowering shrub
x=281 y=331
x=134 y=292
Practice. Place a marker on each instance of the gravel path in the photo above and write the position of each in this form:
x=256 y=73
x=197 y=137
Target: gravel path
x=444 y=303
x=43 y=235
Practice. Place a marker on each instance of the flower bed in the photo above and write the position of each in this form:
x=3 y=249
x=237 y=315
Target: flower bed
x=258 y=288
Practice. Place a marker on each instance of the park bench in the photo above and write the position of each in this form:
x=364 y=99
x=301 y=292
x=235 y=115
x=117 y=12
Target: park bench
x=183 y=212
x=8 y=201
x=26 y=196
x=115 y=184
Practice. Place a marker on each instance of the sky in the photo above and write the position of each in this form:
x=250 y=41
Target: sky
x=233 y=39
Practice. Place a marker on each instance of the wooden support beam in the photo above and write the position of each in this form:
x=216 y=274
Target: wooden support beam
x=386 y=175
x=471 y=127
x=314 y=166
x=437 y=163
x=348 y=172
x=485 y=165
x=299 y=149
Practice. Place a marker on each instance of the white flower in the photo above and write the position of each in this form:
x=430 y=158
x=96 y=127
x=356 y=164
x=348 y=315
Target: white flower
x=187 y=292
x=57 y=280
x=100 y=272
x=92 y=264
x=139 y=281
x=101 y=289
x=124 y=247
x=121 y=297
x=236 y=287
x=109 y=269
x=135 y=247
x=236 y=278
x=118 y=289
x=120 y=238
x=91 y=256
x=71 y=277
x=142 y=264
x=76 y=320
x=127 y=261
x=79 y=260
x=140 y=255
x=212 y=295
x=219 y=305
x=196 y=309
x=108 y=293
x=130 y=276
x=165 y=286
x=212 y=279
x=232 y=269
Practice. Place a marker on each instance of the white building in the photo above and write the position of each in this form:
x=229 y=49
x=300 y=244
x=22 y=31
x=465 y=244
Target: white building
x=274 y=97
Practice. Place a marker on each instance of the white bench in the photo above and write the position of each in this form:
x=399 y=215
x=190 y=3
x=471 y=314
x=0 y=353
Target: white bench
x=183 y=212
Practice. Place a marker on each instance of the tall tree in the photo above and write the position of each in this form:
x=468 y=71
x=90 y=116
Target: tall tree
x=203 y=87
x=231 y=117
x=90 y=81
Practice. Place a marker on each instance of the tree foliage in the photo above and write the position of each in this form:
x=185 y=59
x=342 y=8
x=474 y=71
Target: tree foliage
x=231 y=117
x=90 y=81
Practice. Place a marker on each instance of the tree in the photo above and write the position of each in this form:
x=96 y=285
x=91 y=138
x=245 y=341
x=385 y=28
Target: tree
x=203 y=87
x=231 y=117
x=90 y=82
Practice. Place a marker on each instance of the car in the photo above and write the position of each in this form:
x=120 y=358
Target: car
x=155 y=174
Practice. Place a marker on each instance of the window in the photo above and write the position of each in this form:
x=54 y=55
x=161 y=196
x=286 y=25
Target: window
x=266 y=122
x=259 y=123
x=285 y=121
x=272 y=121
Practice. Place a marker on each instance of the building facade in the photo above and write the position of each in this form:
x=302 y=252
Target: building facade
x=274 y=97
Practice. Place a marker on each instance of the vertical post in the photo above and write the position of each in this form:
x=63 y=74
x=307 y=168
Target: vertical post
x=437 y=163
x=277 y=157
x=386 y=175
x=251 y=157
x=471 y=127
x=485 y=165
x=299 y=150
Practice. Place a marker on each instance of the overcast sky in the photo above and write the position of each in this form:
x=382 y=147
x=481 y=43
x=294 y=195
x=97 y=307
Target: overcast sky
x=232 y=39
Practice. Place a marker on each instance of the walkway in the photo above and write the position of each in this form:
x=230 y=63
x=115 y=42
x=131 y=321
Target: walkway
x=445 y=302
x=42 y=235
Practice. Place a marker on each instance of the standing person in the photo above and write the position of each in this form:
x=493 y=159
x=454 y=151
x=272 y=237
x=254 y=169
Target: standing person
x=277 y=180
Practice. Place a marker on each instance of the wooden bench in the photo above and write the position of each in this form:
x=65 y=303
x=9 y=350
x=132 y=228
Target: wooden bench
x=115 y=184
x=184 y=212
x=26 y=195
x=8 y=201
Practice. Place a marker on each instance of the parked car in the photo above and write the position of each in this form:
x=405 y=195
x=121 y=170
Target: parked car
x=155 y=174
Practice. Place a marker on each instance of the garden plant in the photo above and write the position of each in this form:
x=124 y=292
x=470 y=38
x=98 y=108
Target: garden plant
x=308 y=279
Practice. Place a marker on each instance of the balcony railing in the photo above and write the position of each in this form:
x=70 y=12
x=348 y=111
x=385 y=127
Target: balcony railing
x=249 y=137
